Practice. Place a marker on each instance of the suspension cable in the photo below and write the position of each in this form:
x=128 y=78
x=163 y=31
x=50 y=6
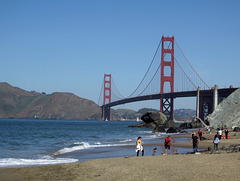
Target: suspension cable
x=100 y=92
x=148 y=68
x=117 y=90
x=185 y=73
x=117 y=96
x=151 y=79
x=191 y=64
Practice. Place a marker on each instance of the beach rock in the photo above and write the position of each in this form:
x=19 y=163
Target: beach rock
x=168 y=124
x=226 y=147
x=159 y=129
x=142 y=125
x=172 y=130
x=155 y=118
x=183 y=126
x=196 y=123
x=236 y=129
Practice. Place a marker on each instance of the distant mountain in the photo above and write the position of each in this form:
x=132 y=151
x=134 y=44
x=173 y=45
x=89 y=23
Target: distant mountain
x=127 y=114
x=18 y=103
x=184 y=114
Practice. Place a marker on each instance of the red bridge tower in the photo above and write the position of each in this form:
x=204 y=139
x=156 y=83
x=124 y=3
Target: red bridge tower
x=106 y=111
x=167 y=76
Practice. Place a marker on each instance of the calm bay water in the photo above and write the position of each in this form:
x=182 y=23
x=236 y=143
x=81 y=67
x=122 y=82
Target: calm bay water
x=43 y=142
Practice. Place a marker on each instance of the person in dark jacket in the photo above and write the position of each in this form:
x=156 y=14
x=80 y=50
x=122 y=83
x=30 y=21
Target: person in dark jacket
x=195 y=142
x=226 y=133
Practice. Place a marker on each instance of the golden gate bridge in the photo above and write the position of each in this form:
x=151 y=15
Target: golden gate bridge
x=170 y=75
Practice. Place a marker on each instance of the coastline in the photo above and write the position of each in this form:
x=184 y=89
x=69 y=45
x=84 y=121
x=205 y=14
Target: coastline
x=171 y=167
x=206 y=166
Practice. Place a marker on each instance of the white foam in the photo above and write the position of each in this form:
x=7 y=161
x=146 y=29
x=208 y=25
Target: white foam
x=14 y=162
x=84 y=145
x=127 y=140
x=81 y=146
x=149 y=132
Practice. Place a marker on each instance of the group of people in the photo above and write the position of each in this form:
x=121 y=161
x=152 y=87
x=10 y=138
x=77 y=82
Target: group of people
x=218 y=137
x=195 y=141
x=220 y=133
x=167 y=144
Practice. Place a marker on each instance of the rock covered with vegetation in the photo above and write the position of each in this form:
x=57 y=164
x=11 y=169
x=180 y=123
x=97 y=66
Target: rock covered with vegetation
x=155 y=120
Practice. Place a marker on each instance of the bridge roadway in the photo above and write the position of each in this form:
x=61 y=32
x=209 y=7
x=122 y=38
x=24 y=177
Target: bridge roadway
x=205 y=96
x=222 y=92
x=152 y=97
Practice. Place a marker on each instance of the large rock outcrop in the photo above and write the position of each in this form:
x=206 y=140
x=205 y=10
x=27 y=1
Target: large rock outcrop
x=156 y=120
x=227 y=113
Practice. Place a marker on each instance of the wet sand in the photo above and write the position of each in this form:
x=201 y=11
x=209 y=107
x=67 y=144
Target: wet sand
x=166 y=167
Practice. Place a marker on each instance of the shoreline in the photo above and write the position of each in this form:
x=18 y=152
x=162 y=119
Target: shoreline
x=207 y=165
x=171 y=167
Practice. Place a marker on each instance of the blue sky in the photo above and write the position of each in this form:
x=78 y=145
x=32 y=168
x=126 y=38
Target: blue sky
x=67 y=46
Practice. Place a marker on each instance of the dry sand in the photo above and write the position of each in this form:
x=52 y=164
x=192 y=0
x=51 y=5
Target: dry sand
x=167 y=167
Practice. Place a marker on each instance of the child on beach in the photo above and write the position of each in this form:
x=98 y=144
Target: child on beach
x=154 y=151
x=139 y=146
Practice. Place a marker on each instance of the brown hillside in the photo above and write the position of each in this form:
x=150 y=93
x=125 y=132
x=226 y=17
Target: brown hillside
x=17 y=103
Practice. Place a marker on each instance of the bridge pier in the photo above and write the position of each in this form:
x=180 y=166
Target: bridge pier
x=167 y=107
x=208 y=100
x=106 y=112
x=197 y=101
x=215 y=97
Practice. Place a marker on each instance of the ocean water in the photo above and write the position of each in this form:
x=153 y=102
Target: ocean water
x=37 y=142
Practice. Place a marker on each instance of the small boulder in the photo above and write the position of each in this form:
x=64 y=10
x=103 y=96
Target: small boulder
x=183 y=126
x=236 y=129
x=159 y=129
x=172 y=130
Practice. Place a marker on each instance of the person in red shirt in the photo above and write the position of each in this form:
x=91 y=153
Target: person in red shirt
x=200 y=133
x=167 y=144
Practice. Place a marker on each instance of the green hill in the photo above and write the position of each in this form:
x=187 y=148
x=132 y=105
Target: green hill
x=18 y=103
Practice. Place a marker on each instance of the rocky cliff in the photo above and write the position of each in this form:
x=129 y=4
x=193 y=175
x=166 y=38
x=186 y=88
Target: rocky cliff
x=227 y=113
x=18 y=103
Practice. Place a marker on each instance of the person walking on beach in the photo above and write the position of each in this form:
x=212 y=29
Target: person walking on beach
x=200 y=134
x=226 y=133
x=167 y=144
x=139 y=146
x=192 y=134
x=216 y=141
x=220 y=134
x=195 y=142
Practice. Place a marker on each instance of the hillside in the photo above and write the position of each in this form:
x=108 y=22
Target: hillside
x=227 y=113
x=18 y=103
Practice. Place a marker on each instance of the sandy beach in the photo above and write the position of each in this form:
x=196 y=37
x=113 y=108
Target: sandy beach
x=224 y=166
